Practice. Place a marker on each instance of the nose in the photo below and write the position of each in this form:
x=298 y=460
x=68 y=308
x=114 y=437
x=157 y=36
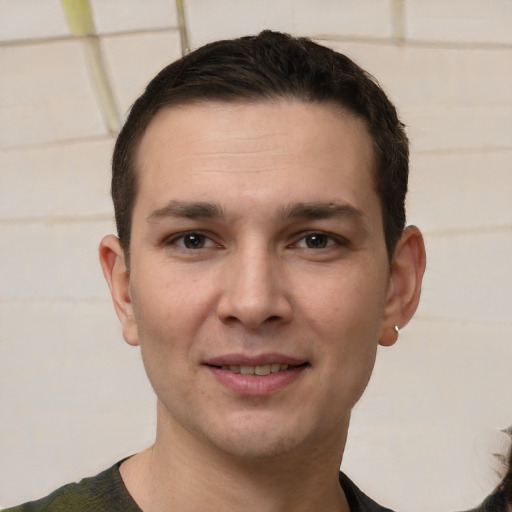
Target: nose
x=254 y=291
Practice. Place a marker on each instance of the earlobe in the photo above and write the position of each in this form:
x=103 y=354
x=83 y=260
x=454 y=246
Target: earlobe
x=407 y=269
x=117 y=275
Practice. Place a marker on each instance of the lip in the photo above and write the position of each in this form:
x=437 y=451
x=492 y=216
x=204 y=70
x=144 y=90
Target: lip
x=254 y=385
x=256 y=360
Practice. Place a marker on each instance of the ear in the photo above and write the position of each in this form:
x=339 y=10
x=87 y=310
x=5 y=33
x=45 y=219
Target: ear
x=117 y=275
x=406 y=275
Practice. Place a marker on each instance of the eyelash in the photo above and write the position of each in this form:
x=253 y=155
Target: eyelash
x=331 y=240
x=182 y=236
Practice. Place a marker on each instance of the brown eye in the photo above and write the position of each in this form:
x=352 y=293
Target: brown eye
x=193 y=241
x=316 y=241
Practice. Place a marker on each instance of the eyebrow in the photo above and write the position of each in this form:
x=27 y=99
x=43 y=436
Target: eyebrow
x=188 y=209
x=322 y=210
x=302 y=210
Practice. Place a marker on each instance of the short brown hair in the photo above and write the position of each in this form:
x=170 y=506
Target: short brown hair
x=268 y=66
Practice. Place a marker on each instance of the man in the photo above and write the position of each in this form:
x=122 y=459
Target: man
x=259 y=190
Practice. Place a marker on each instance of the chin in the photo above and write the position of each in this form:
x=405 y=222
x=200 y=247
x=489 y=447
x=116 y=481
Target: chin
x=257 y=438
x=254 y=447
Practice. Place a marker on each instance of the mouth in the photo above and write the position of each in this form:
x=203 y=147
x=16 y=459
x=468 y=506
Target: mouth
x=259 y=376
x=259 y=370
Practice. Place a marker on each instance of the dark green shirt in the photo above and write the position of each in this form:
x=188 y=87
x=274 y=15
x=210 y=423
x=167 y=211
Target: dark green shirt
x=106 y=492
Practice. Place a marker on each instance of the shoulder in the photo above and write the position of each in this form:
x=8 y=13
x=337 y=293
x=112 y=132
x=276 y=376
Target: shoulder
x=101 y=493
x=64 y=498
x=357 y=500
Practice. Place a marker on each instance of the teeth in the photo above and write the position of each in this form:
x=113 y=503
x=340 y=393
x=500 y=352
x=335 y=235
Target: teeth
x=257 y=370
x=262 y=370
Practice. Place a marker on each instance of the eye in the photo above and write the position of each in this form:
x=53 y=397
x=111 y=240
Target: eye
x=193 y=240
x=316 y=241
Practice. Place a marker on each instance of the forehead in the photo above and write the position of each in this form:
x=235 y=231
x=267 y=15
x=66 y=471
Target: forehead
x=271 y=149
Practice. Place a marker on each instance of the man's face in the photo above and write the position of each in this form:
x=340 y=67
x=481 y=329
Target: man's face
x=257 y=247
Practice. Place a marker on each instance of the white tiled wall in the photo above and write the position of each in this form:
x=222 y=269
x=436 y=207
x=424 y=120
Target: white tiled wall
x=46 y=95
x=129 y=66
x=59 y=180
x=112 y=16
x=459 y=21
x=208 y=21
x=73 y=396
x=455 y=179
x=31 y=19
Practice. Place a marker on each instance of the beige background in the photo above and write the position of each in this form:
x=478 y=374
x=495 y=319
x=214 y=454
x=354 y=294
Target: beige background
x=73 y=396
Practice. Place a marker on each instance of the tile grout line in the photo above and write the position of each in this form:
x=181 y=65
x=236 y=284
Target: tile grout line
x=451 y=320
x=468 y=230
x=413 y=43
x=397 y=21
x=80 y=21
x=56 y=143
x=58 y=219
x=335 y=38
x=73 y=37
x=182 y=25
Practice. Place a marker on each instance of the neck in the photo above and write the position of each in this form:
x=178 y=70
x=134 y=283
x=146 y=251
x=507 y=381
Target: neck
x=181 y=472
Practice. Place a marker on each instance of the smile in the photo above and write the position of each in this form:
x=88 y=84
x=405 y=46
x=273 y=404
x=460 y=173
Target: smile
x=262 y=370
x=261 y=379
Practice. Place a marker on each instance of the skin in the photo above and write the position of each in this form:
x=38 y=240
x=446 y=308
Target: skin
x=257 y=233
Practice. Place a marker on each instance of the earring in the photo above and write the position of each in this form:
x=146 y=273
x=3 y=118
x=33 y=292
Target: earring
x=397 y=330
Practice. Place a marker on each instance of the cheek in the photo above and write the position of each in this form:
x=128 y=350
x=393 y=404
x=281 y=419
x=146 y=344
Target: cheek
x=169 y=300
x=346 y=316
x=351 y=363
x=171 y=308
x=345 y=301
